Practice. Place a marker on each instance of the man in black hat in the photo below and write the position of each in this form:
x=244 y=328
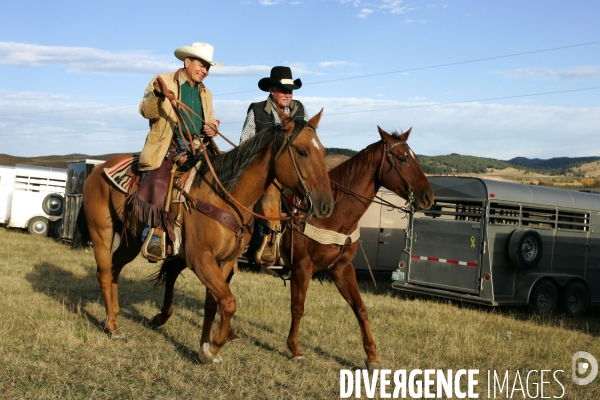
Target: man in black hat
x=261 y=116
x=264 y=115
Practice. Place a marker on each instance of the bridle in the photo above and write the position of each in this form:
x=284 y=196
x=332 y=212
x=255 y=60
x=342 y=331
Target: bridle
x=407 y=186
x=410 y=193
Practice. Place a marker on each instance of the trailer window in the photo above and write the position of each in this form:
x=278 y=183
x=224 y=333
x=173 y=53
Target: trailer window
x=458 y=211
x=572 y=220
x=504 y=214
x=538 y=217
x=513 y=214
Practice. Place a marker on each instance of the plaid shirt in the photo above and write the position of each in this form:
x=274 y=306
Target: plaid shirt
x=249 y=128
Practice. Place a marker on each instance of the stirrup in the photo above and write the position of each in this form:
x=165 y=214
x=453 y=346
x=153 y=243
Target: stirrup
x=163 y=245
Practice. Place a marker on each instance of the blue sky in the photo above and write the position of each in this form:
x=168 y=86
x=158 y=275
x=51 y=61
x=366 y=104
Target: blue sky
x=72 y=73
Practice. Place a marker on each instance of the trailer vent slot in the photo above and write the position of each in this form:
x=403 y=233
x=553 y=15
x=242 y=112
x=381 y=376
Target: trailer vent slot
x=571 y=220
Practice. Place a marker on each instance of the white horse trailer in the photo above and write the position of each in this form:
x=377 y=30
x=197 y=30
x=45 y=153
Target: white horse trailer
x=7 y=185
x=37 y=198
x=501 y=243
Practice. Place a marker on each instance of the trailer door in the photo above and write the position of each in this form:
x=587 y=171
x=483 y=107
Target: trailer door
x=392 y=229
x=446 y=248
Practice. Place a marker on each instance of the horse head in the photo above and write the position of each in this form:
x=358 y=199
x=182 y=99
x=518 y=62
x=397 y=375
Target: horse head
x=300 y=164
x=400 y=171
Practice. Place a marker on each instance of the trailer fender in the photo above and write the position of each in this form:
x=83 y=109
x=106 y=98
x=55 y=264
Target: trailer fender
x=525 y=285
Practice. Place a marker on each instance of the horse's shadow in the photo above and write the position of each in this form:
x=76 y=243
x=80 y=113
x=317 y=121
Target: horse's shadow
x=77 y=293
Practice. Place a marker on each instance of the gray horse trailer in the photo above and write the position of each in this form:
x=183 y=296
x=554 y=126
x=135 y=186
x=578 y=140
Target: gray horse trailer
x=77 y=173
x=501 y=243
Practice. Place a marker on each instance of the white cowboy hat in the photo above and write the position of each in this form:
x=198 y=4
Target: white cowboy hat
x=203 y=51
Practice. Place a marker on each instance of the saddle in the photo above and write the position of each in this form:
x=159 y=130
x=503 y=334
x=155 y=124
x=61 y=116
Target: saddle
x=151 y=199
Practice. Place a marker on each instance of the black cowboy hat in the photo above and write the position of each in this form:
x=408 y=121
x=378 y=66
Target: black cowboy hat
x=280 y=76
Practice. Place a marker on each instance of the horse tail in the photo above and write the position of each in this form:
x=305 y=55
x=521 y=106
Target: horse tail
x=169 y=270
x=81 y=234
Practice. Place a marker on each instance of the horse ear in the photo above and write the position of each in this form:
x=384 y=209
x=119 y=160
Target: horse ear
x=314 y=121
x=384 y=135
x=405 y=135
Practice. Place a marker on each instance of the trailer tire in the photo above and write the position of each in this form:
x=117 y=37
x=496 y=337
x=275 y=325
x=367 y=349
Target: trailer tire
x=38 y=226
x=53 y=204
x=575 y=299
x=56 y=229
x=525 y=248
x=544 y=297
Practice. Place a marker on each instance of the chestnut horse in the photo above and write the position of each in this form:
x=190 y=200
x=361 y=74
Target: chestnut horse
x=389 y=163
x=291 y=153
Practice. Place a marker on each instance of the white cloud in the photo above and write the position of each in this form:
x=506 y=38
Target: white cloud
x=269 y=2
x=393 y=6
x=91 y=61
x=479 y=129
x=364 y=13
x=586 y=72
x=84 y=60
x=326 y=64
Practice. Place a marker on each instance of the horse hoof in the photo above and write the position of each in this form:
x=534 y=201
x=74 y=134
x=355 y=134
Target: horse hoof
x=299 y=359
x=117 y=335
x=217 y=361
x=157 y=321
x=205 y=356
x=372 y=366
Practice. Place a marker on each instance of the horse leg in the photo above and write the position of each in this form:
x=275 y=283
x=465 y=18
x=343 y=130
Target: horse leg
x=301 y=274
x=102 y=237
x=125 y=253
x=170 y=270
x=345 y=280
x=207 y=270
x=210 y=311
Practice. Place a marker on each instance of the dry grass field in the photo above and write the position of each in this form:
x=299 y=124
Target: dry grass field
x=52 y=344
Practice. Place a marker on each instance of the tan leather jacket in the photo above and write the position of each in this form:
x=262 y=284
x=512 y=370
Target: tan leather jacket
x=163 y=119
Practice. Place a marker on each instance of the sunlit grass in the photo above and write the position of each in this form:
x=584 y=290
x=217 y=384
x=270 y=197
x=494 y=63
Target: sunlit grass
x=52 y=344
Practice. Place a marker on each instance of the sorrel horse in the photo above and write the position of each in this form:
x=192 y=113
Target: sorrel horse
x=389 y=163
x=290 y=153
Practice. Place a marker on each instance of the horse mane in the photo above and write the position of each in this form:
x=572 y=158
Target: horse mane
x=346 y=172
x=231 y=166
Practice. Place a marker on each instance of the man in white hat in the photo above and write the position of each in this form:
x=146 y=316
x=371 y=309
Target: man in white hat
x=187 y=85
x=166 y=133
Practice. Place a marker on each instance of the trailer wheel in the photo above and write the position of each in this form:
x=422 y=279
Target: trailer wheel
x=575 y=299
x=56 y=229
x=53 y=204
x=38 y=226
x=544 y=297
x=525 y=248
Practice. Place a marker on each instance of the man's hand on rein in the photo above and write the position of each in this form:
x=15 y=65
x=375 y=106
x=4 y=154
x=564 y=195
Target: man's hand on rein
x=210 y=130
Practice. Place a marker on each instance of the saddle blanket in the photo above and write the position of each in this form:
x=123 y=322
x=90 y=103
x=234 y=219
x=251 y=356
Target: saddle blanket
x=122 y=175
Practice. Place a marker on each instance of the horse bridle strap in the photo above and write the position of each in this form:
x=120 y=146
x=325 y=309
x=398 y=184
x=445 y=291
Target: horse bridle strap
x=409 y=189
